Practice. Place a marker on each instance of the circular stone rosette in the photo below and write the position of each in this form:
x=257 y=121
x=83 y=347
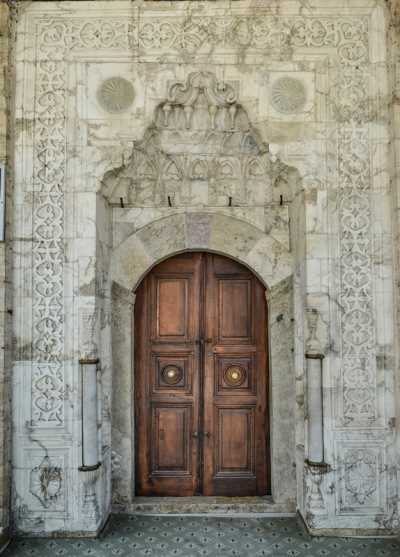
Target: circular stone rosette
x=115 y=94
x=288 y=95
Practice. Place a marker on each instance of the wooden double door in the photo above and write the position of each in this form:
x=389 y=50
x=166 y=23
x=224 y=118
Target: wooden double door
x=201 y=383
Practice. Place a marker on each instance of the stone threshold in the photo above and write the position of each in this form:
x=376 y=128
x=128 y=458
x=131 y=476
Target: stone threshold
x=214 y=506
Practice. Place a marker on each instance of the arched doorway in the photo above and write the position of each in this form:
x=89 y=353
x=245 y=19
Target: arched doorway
x=201 y=398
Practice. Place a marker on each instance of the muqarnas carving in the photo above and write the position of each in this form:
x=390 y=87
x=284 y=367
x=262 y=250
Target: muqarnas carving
x=200 y=150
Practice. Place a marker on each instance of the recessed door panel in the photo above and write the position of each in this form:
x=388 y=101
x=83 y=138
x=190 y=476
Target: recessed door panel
x=235 y=309
x=171 y=440
x=172 y=307
x=235 y=374
x=173 y=371
x=234 y=445
x=167 y=320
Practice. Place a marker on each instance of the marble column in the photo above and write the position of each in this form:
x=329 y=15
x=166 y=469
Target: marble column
x=315 y=413
x=315 y=461
x=315 y=408
x=90 y=445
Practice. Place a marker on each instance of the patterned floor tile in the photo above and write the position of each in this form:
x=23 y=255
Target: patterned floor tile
x=155 y=536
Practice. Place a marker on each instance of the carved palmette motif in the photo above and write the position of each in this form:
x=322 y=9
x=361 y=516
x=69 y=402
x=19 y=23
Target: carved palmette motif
x=279 y=36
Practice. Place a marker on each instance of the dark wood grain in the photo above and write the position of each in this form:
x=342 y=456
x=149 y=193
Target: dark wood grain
x=201 y=380
x=167 y=326
x=236 y=455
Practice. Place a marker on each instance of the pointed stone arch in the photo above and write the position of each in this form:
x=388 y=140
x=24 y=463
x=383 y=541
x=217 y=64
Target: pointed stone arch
x=179 y=232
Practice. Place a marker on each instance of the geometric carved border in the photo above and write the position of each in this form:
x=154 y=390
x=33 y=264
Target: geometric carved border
x=358 y=374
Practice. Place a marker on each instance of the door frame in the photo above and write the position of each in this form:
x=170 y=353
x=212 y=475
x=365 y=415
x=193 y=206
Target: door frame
x=281 y=408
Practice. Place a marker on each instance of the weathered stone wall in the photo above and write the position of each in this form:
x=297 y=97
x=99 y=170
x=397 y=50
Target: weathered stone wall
x=95 y=82
x=4 y=333
x=394 y=108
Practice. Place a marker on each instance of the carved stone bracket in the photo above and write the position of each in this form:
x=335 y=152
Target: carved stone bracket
x=315 y=474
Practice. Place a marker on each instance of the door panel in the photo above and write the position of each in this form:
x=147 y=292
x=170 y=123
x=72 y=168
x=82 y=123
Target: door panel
x=167 y=321
x=172 y=371
x=171 y=439
x=235 y=442
x=235 y=370
x=235 y=387
x=201 y=379
x=172 y=308
x=234 y=315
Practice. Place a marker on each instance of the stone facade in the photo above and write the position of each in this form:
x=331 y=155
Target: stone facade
x=5 y=324
x=262 y=131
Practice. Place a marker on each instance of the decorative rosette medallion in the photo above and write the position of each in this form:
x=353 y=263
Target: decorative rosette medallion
x=172 y=375
x=288 y=95
x=115 y=94
x=235 y=375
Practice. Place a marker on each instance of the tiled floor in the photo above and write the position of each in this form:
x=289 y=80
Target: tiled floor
x=163 y=536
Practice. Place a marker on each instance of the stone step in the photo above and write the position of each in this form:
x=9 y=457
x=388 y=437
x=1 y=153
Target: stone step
x=217 y=506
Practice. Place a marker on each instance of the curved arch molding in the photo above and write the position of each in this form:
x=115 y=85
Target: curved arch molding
x=135 y=256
